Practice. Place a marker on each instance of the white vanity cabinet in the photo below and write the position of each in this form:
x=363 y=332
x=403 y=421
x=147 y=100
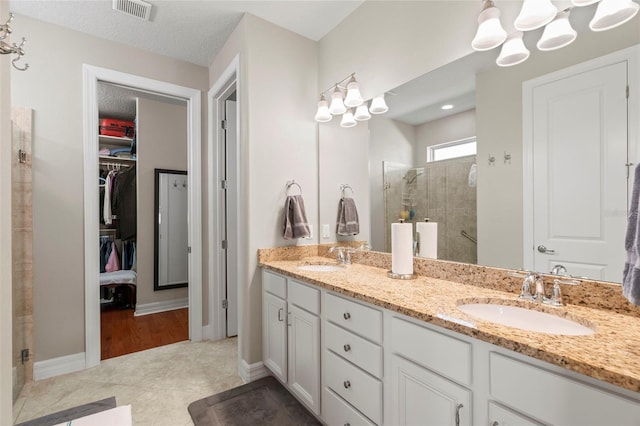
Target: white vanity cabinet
x=291 y=336
x=352 y=363
x=429 y=376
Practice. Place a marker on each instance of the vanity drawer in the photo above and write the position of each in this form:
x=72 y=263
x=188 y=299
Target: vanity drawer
x=501 y=416
x=359 y=351
x=555 y=399
x=304 y=296
x=338 y=413
x=274 y=284
x=438 y=352
x=355 y=386
x=362 y=320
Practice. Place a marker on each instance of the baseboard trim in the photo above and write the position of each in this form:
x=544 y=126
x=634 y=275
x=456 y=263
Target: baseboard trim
x=58 y=366
x=155 y=307
x=252 y=372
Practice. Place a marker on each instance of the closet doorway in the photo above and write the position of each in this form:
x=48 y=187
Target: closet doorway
x=148 y=92
x=139 y=134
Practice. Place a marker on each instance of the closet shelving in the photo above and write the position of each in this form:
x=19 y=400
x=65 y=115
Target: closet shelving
x=112 y=142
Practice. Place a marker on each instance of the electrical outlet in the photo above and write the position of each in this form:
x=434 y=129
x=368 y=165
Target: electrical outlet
x=325 y=231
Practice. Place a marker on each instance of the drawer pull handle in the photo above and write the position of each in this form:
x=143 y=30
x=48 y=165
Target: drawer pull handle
x=347 y=384
x=495 y=423
x=347 y=424
x=347 y=347
x=280 y=311
x=346 y=315
x=458 y=408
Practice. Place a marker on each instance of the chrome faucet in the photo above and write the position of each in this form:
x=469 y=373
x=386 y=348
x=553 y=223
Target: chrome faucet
x=559 y=270
x=343 y=254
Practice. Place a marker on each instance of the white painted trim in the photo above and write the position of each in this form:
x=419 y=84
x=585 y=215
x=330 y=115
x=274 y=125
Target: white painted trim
x=632 y=56
x=91 y=76
x=156 y=307
x=217 y=318
x=58 y=366
x=207 y=332
x=252 y=372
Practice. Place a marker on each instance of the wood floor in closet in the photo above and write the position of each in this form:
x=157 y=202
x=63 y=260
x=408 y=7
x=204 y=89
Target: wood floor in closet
x=122 y=333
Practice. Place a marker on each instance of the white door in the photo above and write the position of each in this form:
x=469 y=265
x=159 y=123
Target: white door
x=579 y=173
x=304 y=356
x=274 y=335
x=231 y=176
x=425 y=398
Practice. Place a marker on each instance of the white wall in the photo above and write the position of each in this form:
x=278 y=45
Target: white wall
x=278 y=143
x=53 y=88
x=162 y=144
x=6 y=337
x=452 y=128
x=393 y=141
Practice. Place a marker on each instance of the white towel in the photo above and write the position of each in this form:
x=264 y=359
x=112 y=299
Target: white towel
x=631 y=274
x=347 y=222
x=295 y=218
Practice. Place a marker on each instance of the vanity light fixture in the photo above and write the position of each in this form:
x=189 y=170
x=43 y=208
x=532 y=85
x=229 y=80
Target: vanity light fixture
x=613 y=13
x=352 y=106
x=362 y=113
x=11 y=49
x=347 y=119
x=558 y=32
x=513 y=51
x=490 y=33
x=535 y=14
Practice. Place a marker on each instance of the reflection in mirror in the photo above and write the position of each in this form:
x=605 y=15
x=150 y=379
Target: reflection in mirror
x=488 y=104
x=171 y=244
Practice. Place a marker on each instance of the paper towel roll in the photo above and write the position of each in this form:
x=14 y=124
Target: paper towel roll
x=427 y=236
x=402 y=248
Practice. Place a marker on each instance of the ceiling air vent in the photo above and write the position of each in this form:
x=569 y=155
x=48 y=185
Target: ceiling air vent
x=136 y=8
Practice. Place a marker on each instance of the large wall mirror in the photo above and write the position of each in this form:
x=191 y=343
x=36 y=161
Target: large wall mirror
x=481 y=200
x=171 y=243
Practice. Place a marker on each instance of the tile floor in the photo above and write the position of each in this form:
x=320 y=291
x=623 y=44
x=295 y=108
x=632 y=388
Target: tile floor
x=158 y=383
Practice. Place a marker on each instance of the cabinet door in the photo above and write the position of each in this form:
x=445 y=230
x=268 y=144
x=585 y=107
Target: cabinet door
x=304 y=357
x=274 y=335
x=421 y=397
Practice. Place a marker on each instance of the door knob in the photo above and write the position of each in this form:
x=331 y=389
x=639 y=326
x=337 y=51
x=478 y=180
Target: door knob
x=543 y=249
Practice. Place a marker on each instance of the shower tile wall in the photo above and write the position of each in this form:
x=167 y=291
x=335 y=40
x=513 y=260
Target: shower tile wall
x=22 y=247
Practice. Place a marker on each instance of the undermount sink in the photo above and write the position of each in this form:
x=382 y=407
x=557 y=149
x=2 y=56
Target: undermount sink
x=525 y=319
x=321 y=268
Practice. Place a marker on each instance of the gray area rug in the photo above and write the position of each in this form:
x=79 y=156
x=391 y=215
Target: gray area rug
x=72 y=413
x=263 y=402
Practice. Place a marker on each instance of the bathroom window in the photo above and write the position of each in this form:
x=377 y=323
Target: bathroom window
x=454 y=149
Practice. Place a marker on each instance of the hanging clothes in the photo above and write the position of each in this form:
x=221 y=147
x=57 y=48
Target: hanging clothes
x=114 y=259
x=107 y=214
x=124 y=203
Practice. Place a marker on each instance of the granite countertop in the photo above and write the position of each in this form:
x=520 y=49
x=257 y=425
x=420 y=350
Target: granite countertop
x=611 y=354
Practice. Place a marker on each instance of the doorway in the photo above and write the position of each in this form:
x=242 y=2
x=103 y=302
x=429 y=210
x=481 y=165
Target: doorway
x=91 y=78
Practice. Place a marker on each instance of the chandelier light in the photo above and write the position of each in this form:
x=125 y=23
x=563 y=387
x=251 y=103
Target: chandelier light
x=11 y=49
x=346 y=100
x=536 y=14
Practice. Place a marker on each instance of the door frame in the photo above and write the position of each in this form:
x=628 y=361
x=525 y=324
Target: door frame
x=632 y=56
x=91 y=76
x=228 y=81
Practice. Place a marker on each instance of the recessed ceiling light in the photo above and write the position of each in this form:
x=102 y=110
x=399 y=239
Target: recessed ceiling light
x=447 y=106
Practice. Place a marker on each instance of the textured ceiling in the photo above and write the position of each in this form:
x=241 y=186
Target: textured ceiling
x=193 y=31
x=120 y=102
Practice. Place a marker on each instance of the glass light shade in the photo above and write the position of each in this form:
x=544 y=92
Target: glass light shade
x=490 y=33
x=337 y=106
x=613 y=13
x=513 y=51
x=581 y=3
x=558 y=33
x=362 y=113
x=347 y=119
x=378 y=105
x=353 y=98
x=535 y=14
x=323 y=115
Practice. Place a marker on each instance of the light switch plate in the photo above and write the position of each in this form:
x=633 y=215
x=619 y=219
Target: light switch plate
x=325 y=231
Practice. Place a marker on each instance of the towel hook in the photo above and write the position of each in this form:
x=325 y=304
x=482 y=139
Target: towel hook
x=291 y=183
x=346 y=186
